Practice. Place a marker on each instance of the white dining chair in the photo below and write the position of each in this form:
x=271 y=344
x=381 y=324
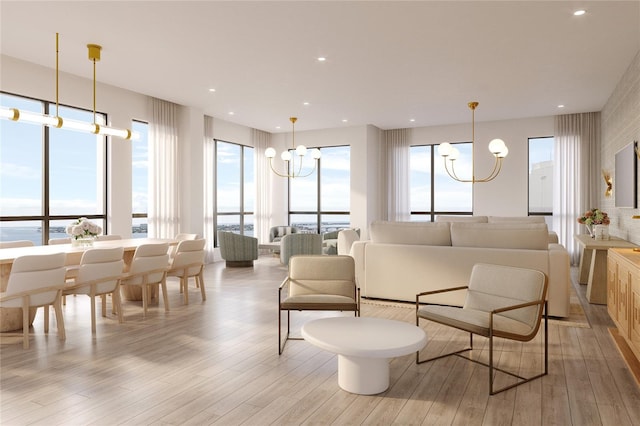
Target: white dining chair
x=98 y=275
x=53 y=241
x=35 y=281
x=108 y=237
x=187 y=262
x=181 y=237
x=15 y=244
x=149 y=269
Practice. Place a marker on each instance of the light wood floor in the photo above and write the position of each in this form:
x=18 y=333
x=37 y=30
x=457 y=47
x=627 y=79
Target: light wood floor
x=217 y=363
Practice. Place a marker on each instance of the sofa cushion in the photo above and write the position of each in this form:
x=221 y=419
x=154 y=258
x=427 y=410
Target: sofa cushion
x=516 y=219
x=412 y=233
x=467 y=219
x=530 y=236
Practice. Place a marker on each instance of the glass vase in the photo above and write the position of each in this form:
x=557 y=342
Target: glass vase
x=84 y=241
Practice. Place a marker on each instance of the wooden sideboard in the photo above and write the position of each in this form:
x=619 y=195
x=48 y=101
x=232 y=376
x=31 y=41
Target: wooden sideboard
x=623 y=294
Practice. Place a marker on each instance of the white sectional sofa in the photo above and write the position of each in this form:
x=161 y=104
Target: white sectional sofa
x=402 y=259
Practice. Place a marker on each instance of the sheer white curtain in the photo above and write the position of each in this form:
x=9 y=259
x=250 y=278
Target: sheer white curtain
x=164 y=194
x=209 y=187
x=397 y=174
x=262 y=215
x=576 y=174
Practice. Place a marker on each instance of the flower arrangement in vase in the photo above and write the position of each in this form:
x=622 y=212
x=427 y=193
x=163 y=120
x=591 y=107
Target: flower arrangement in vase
x=83 y=232
x=594 y=217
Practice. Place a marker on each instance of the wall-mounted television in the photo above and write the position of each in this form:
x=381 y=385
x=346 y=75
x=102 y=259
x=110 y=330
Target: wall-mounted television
x=625 y=184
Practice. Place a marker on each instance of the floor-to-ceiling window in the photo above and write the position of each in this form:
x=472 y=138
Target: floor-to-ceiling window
x=235 y=187
x=49 y=177
x=321 y=202
x=541 y=176
x=432 y=191
x=140 y=180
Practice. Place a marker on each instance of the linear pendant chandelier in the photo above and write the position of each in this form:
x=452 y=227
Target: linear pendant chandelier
x=58 y=122
x=289 y=159
x=497 y=148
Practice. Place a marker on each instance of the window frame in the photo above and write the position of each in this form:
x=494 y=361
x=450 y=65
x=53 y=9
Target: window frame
x=319 y=212
x=135 y=215
x=46 y=217
x=242 y=213
x=529 y=212
x=431 y=214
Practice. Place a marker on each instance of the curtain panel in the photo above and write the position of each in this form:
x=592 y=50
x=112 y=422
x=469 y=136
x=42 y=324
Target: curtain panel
x=576 y=174
x=397 y=173
x=261 y=141
x=164 y=194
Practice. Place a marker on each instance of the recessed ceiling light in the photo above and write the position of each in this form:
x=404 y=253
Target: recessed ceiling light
x=212 y=90
x=579 y=12
x=412 y=120
x=305 y=103
x=560 y=106
x=344 y=120
x=277 y=127
x=231 y=113
x=321 y=59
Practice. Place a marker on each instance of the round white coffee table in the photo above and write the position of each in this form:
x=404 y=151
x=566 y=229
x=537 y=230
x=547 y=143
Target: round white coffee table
x=364 y=347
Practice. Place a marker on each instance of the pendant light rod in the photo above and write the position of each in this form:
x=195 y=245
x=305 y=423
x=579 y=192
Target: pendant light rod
x=286 y=156
x=497 y=148
x=15 y=114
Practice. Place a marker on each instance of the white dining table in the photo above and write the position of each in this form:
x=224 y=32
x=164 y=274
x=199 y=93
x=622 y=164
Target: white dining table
x=11 y=318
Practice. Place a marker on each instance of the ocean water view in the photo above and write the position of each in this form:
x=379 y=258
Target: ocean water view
x=34 y=233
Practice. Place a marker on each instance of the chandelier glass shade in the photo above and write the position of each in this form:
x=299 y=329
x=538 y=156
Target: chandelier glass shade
x=55 y=121
x=289 y=159
x=450 y=154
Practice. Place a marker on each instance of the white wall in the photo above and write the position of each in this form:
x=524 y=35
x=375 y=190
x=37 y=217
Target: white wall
x=621 y=126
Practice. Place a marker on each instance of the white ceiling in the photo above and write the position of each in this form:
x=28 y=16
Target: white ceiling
x=387 y=62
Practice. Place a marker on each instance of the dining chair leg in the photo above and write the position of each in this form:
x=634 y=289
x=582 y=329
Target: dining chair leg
x=113 y=306
x=145 y=296
x=46 y=318
x=165 y=298
x=57 y=306
x=93 y=313
x=184 y=284
x=103 y=298
x=25 y=322
x=200 y=281
x=117 y=305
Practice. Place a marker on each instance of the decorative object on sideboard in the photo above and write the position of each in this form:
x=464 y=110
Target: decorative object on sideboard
x=601 y=232
x=594 y=217
x=55 y=121
x=607 y=180
x=497 y=148
x=290 y=159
